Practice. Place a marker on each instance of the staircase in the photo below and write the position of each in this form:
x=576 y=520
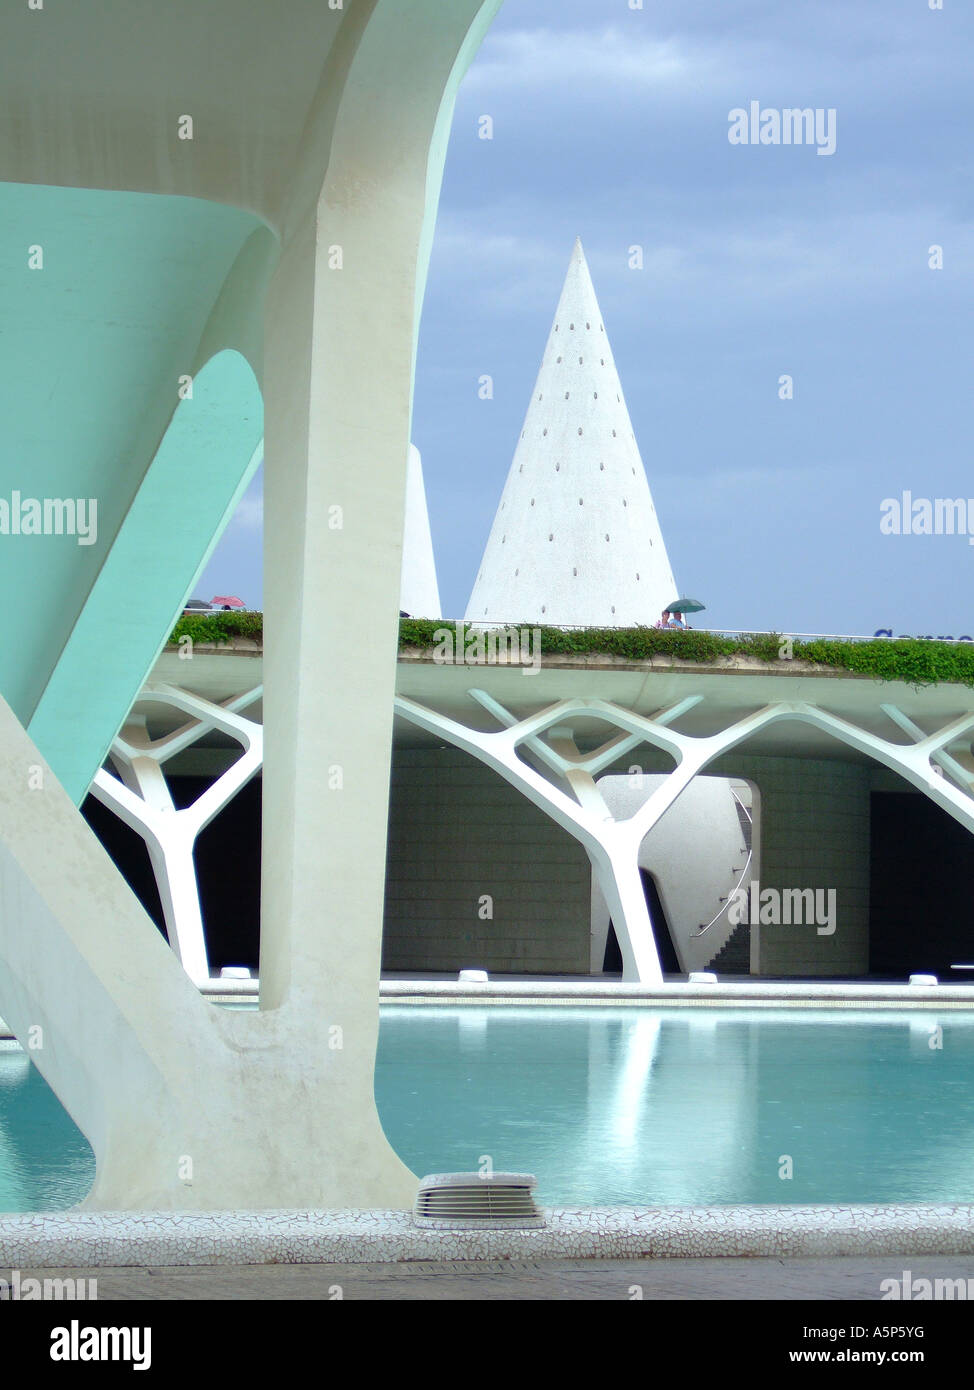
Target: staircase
x=734 y=956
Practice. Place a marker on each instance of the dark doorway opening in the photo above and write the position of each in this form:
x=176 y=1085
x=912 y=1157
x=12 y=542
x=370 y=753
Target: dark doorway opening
x=612 y=961
x=127 y=849
x=921 y=868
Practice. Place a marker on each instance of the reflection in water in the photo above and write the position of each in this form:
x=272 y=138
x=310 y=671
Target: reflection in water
x=926 y=1033
x=630 y=1092
x=472 y=1030
x=625 y=1106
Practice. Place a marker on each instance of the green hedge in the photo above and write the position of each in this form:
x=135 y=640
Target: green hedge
x=219 y=627
x=916 y=662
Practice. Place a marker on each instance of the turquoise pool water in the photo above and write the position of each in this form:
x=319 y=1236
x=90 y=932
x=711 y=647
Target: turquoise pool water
x=628 y=1106
x=45 y=1161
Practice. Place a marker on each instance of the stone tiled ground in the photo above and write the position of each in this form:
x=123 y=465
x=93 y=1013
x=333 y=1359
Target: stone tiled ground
x=585 y=1280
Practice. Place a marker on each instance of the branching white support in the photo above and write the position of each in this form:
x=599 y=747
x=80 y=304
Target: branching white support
x=913 y=762
x=613 y=846
x=589 y=826
x=961 y=775
x=140 y=797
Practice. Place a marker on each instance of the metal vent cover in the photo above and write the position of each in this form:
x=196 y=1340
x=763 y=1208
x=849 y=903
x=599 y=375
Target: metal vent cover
x=475 y=1201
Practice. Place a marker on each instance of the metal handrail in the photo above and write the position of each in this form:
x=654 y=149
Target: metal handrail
x=472 y=623
x=822 y=636
x=747 y=865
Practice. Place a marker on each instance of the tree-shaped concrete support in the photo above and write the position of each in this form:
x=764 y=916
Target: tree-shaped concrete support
x=142 y=799
x=613 y=846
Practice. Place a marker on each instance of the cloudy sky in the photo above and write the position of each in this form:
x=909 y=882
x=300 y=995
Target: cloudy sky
x=758 y=261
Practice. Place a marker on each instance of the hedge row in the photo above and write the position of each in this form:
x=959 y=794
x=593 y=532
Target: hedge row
x=916 y=662
x=219 y=627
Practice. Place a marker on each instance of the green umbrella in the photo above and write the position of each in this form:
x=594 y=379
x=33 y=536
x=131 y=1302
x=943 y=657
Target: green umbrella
x=685 y=605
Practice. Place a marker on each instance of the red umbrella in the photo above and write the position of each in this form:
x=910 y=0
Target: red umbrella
x=228 y=601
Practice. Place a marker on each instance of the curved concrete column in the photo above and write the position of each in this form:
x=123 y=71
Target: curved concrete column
x=186 y=1105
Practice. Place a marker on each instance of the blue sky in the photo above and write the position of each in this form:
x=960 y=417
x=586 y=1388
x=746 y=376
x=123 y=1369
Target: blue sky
x=612 y=124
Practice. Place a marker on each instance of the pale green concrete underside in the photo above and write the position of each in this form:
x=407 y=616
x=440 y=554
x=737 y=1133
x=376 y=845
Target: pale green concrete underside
x=136 y=290
x=92 y=347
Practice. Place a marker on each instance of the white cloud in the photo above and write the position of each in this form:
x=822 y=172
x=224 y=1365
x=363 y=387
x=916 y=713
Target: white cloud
x=847 y=59
x=782 y=257
x=534 y=58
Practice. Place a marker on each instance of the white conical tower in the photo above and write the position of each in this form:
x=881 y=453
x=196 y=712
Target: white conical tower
x=419 y=594
x=576 y=539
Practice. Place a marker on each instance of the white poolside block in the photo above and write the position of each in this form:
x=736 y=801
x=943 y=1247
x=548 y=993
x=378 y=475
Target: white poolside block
x=702 y=977
x=235 y=972
x=924 y=980
x=473 y=977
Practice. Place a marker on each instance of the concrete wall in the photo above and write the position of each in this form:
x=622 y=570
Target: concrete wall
x=458 y=832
